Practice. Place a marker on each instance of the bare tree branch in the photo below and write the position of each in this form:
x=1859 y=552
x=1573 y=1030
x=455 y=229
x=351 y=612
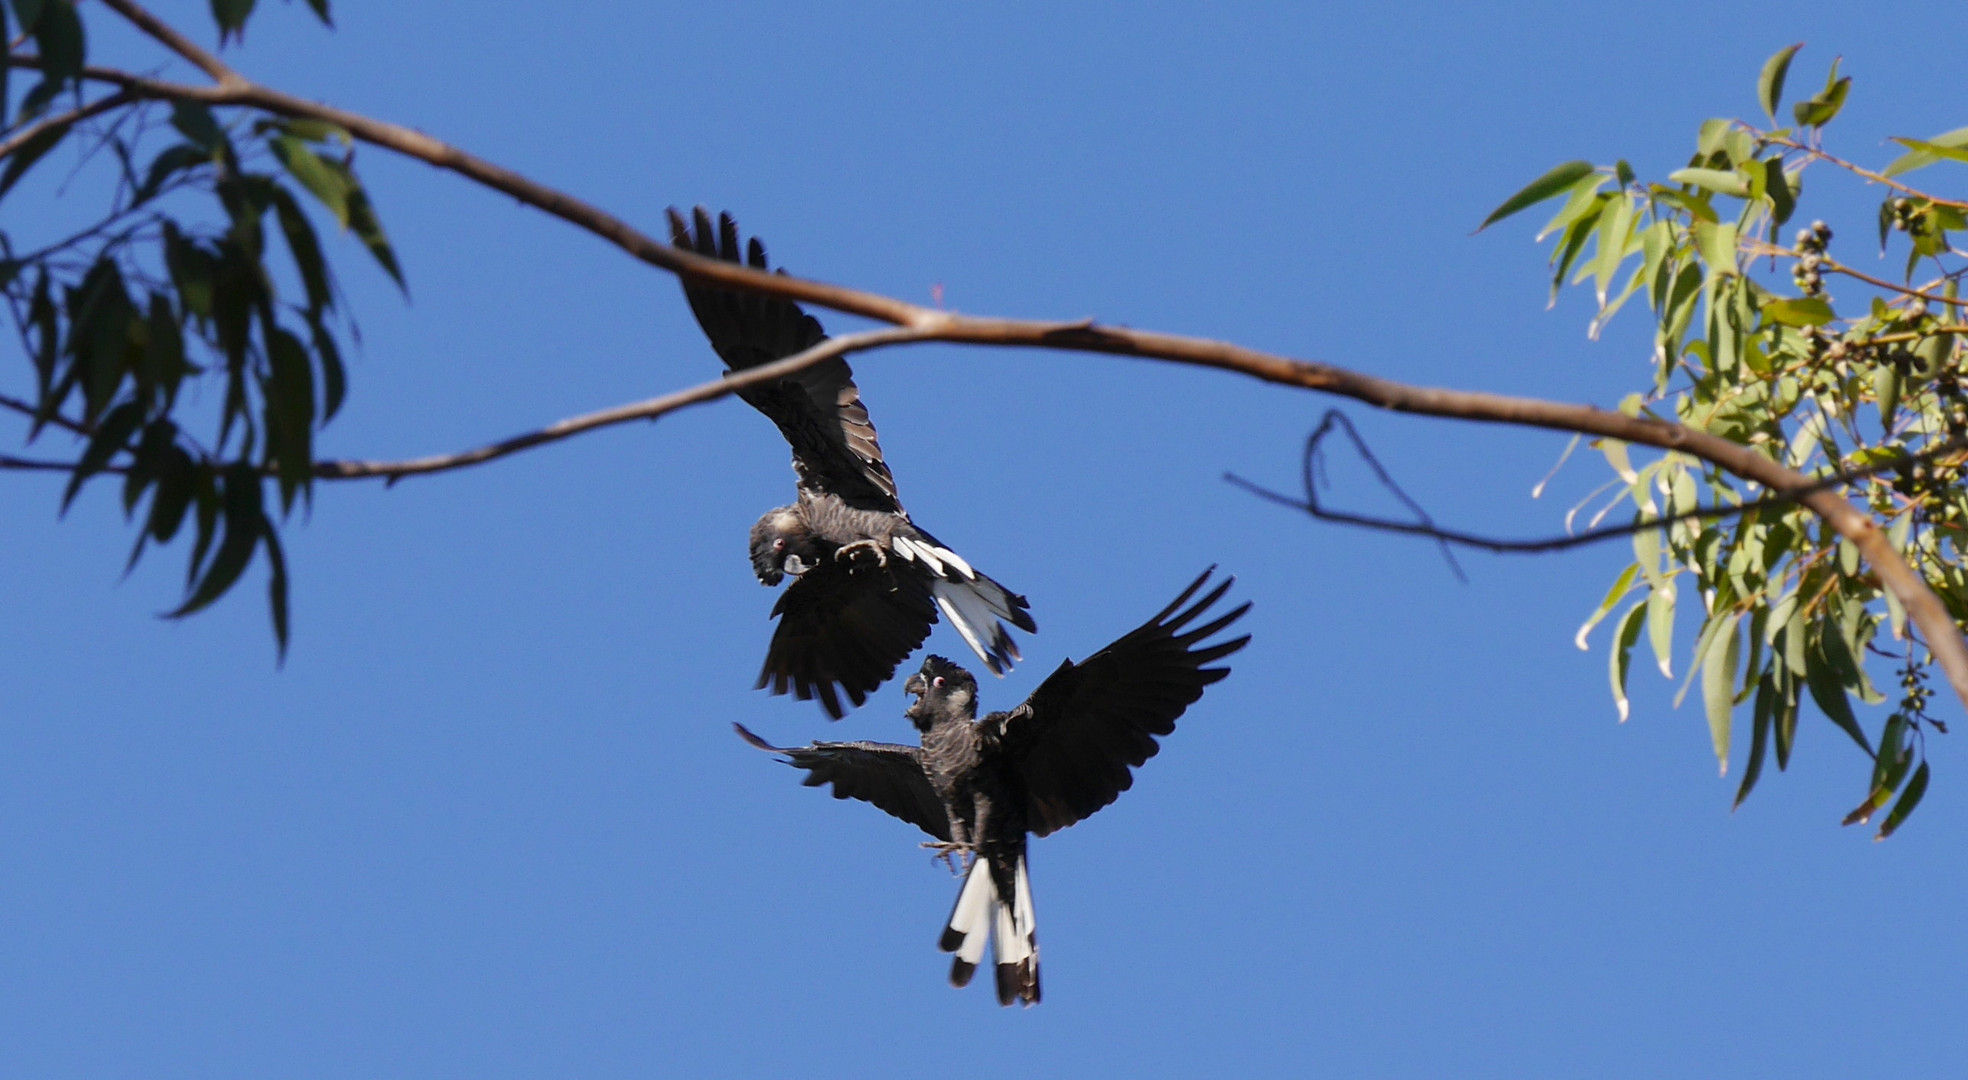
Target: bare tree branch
x=1922 y=606
x=174 y=41
x=392 y=471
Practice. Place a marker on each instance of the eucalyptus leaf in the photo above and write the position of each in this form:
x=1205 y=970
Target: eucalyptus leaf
x=1770 y=83
x=1544 y=187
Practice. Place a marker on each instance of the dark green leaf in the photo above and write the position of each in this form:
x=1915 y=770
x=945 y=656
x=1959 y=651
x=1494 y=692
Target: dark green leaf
x=306 y=250
x=175 y=482
x=1785 y=720
x=1820 y=110
x=111 y=435
x=1759 y=737
x=1718 y=678
x=102 y=323
x=290 y=412
x=1770 y=84
x=1544 y=187
x=334 y=377
x=326 y=181
x=1915 y=788
x=195 y=122
x=29 y=12
x=231 y=16
x=321 y=11
x=276 y=583
x=362 y=219
x=244 y=526
x=1828 y=690
x=1777 y=186
x=59 y=38
x=169 y=162
x=164 y=364
x=1886 y=391
x=31 y=151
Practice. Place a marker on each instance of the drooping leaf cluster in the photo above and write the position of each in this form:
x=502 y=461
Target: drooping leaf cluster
x=159 y=334
x=1753 y=343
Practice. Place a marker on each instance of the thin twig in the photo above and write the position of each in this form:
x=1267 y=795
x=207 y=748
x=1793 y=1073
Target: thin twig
x=392 y=471
x=1311 y=505
x=101 y=105
x=1860 y=170
x=8 y=461
x=26 y=409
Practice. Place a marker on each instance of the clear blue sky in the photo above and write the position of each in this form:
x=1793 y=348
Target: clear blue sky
x=490 y=819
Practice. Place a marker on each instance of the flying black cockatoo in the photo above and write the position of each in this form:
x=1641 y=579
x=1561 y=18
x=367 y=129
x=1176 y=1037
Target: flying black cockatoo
x=980 y=786
x=867 y=580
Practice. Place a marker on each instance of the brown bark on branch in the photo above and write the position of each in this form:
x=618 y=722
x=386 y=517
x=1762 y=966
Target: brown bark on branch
x=1922 y=606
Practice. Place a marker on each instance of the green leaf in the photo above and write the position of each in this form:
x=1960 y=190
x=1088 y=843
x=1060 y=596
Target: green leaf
x=1615 y=230
x=1716 y=180
x=168 y=163
x=276 y=584
x=1827 y=688
x=1621 y=586
x=1776 y=186
x=195 y=122
x=111 y=435
x=1625 y=636
x=324 y=181
x=334 y=377
x=290 y=412
x=1584 y=200
x=1770 y=84
x=59 y=38
x=29 y=13
x=1759 y=738
x=1909 y=799
x=315 y=131
x=321 y=12
x=1717 y=245
x=1544 y=187
x=31 y=151
x=1820 y=110
x=1886 y=391
x=1799 y=311
x=175 y=485
x=1928 y=151
x=1719 y=684
x=305 y=247
x=231 y=16
x=1784 y=720
x=243 y=530
x=1660 y=625
x=368 y=229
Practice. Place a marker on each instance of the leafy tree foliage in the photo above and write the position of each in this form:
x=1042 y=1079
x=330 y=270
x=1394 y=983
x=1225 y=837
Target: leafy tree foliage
x=171 y=287
x=1751 y=344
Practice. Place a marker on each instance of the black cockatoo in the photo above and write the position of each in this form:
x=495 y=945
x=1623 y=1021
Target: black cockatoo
x=979 y=787
x=868 y=582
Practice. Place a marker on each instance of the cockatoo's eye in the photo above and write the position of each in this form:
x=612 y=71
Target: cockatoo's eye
x=779 y=544
x=937 y=682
